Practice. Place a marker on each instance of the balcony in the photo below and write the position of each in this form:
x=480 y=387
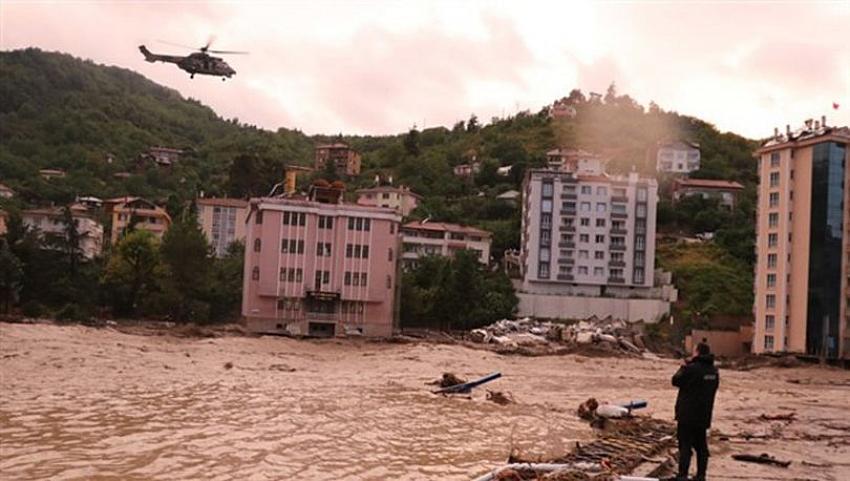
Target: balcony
x=568 y=211
x=617 y=231
x=568 y=245
x=571 y=196
x=565 y=277
x=619 y=198
x=568 y=228
x=616 y=280
x=566 y=261
x=613 y=263
x=617 y=247
x=322 y=316
x=619 y=215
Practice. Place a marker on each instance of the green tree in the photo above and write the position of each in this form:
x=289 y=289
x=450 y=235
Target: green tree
x=11 y=275
x=411 y=142
x=225 y=294
x=133 y=272
x=187 y=255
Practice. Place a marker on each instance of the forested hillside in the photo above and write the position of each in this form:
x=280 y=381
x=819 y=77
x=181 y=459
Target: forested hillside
x=57 y=111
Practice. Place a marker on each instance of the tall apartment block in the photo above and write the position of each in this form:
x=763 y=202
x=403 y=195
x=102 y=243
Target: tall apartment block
x=585 y=232
x=803 y=242
x=319 y=267
x=223 y=221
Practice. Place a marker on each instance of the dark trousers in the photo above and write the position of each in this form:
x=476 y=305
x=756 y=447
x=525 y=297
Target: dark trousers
x=692 y=438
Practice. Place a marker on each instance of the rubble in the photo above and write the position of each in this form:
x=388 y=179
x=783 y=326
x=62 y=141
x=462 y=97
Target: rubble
x=534 y=337
x=449 y=379
x=500 y=398
x=761 y=459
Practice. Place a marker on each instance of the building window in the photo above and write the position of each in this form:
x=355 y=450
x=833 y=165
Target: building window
x=617 y=257
x=601 y=207
x=768 y=343
x=544 y=255
x=769 y=322
x=547 y=189
x=770 y=301
x=258 y=244
x=640 y=210
x=773 y=200
x=773 y=219
x=774 y=179
x=587 y=190
x=598 y=271
x=347 y=278
x=774 y=159
x=259 y=217
x=585 y=221
x=582 y=270
x=600 y=239
x=389 y=281
x=326 y=222
x=602 y=190
x=772 y=240
x=600 y=222
x=583 y=254
x=638 y=276
x=392 y=227
x=546 y=221
x=771 y=280
x=617 y=273
x=390 y=254
x=585 y=206
x=599 y=255
x=543 y=271
x=255 y=273
x=771 y=261
x=640 y=242
x=546 y=205
x=584 y=238
x=641 y=195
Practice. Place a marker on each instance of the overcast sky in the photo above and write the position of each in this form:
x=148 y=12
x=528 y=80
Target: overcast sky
x=375 y=67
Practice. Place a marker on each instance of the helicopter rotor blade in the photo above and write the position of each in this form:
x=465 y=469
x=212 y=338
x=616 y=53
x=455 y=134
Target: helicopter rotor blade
x=228 y=52
x=206 y=47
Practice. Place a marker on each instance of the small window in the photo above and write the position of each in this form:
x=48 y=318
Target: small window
x=771 y=261
x=586 y=189
x=773 y=219
x=600 y=239
x=598 y=271
x=599 y=254
x=769 y=322
x=774 y=159
x=772 y=240
x=347 y=278
x=389 y=281
x=771 y=280
x=768 y=343
x=601 y=190
x=255 y=273
x=390 y=254
x=259 y=217
x=584 y=238
x=600 y=222
x=585 y=221
x=258 y=244
x=774 y=179
x=365 y=252
x=770 y=301
x=774 y=199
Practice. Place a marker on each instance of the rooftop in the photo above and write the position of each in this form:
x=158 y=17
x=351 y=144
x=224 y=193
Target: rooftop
x=390 y=188
x=709 y=184
x=446 y=227
x=811 y=132
x=334 y=145
x=223 y=202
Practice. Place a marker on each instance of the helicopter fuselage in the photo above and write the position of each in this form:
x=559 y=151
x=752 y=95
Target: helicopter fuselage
x=195 y=63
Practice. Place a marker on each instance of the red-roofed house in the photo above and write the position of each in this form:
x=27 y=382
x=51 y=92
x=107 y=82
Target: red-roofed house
x=724 y=190
x=442 y=239
x=345 y=159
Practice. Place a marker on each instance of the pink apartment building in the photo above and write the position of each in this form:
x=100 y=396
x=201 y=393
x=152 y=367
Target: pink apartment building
x=320 y=268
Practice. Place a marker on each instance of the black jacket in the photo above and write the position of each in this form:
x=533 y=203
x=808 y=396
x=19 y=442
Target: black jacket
x=697 y=382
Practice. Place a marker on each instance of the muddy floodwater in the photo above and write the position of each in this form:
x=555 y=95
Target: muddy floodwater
x=83 y=403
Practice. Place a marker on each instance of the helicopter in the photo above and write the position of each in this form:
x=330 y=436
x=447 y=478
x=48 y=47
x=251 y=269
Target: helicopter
x=200 y=62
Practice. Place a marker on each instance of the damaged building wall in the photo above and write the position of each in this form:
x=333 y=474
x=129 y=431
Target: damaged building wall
x=578 y=307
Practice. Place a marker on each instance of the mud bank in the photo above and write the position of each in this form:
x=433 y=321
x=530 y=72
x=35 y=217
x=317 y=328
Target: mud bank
x=78 y=402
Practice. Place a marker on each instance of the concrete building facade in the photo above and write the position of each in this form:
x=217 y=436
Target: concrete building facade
x=50 y=222
x=442 y=239
x=320 y=269
x=677 y=157
x=142 y=214
x=723 y=190
x=590 y=237
x=345 y=159
x=401 y=198
x=803 y=243
x=223 y=222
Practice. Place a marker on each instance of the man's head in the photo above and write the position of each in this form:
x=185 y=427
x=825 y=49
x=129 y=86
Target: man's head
x=702 y=349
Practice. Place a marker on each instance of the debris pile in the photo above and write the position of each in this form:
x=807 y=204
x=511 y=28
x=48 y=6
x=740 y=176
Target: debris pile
x=623 y=447
x=530 y=336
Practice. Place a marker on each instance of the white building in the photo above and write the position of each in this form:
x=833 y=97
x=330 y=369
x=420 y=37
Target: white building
x=223 y=222
x=50 y=223
x=586 y=234
x=400 y=198
x=442 y=239
x=677 y=157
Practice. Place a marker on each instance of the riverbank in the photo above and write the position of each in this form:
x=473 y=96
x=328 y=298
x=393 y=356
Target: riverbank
x=80 y=402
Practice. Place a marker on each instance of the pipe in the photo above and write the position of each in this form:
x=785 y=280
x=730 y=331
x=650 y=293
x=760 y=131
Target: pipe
x=467 y=386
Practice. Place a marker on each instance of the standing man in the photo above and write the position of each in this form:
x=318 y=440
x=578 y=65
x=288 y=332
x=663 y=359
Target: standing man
x=697 y=381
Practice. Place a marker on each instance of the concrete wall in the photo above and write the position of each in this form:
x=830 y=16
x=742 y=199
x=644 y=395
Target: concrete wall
x=577 y=307
x=723 y=343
